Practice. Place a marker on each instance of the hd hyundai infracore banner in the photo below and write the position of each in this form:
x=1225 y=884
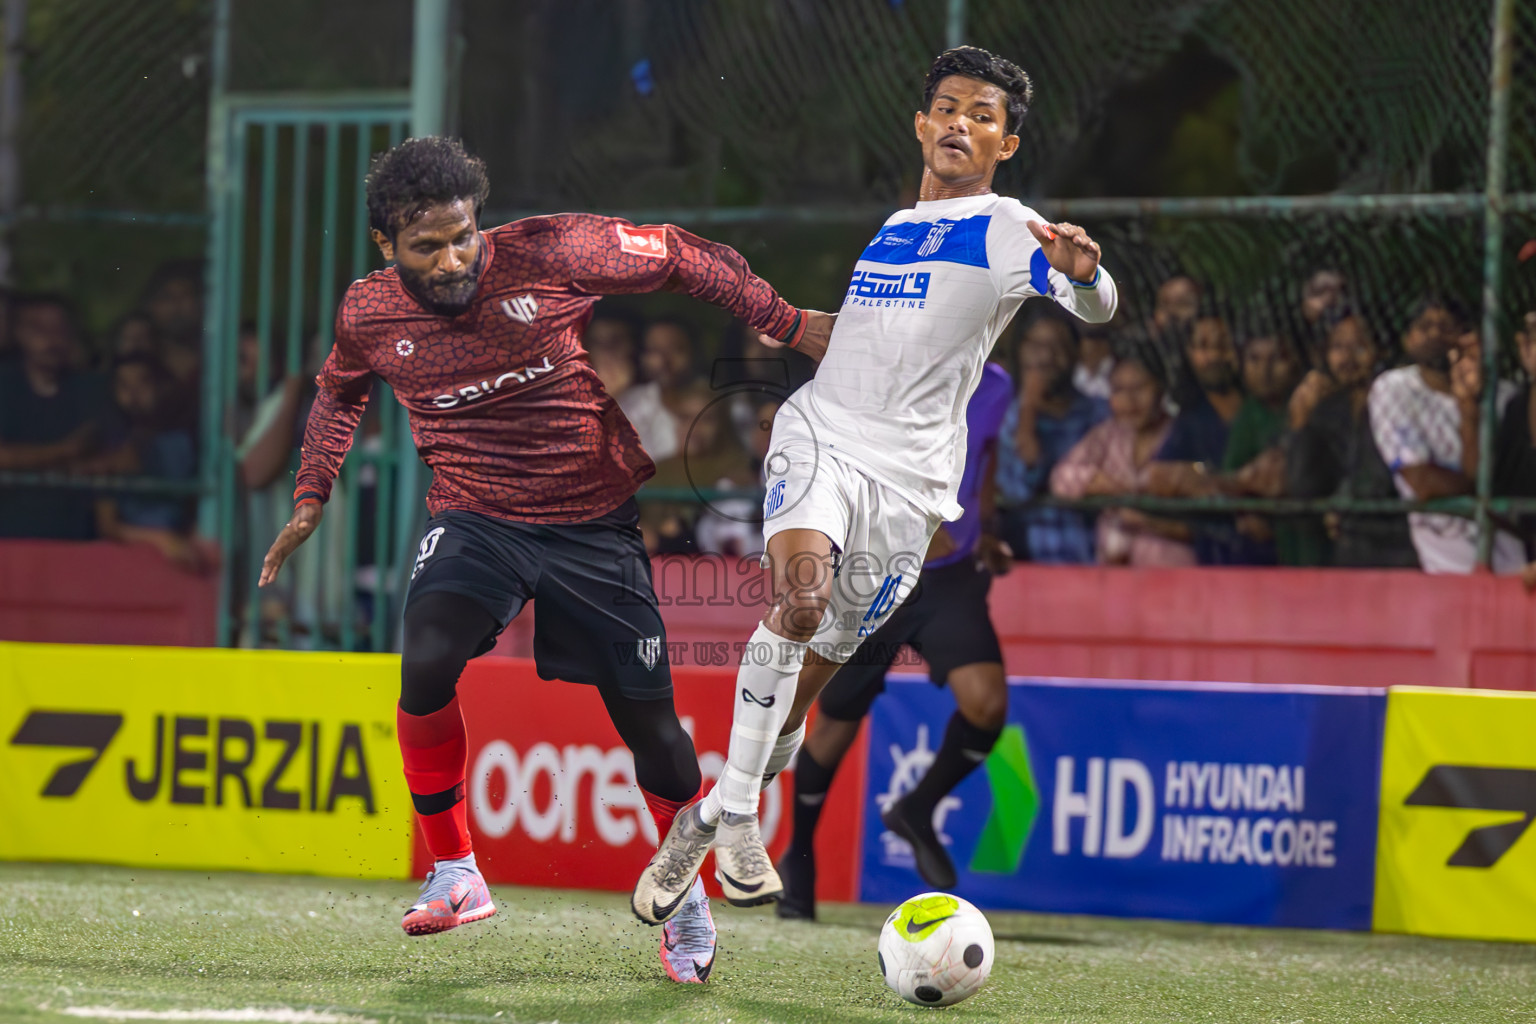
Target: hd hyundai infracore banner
x=1238 y=804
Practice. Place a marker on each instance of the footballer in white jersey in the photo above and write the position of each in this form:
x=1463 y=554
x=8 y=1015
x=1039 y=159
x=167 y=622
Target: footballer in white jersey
x=866 y=459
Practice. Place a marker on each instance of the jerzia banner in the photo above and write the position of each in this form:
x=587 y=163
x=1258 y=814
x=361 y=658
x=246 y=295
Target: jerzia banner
x=202 y=758
x=1237 y=804
x=1458 y=799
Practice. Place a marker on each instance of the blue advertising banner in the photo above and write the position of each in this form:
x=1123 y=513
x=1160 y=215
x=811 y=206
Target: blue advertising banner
x=1203 y=802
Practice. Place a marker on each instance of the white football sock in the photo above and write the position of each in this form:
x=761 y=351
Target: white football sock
x=784 y=751
x=765 y=688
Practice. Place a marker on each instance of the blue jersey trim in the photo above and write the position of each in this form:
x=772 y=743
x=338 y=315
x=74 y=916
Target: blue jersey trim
x=1040 y=272
x=943 y=241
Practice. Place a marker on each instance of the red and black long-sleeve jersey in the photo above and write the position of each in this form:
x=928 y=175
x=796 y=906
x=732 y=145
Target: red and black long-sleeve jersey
x=503 y=402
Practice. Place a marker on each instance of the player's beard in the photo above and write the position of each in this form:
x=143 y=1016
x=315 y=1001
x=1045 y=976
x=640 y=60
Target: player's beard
x=445 y=298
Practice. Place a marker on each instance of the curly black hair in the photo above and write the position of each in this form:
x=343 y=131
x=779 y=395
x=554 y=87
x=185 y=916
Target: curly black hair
x=419 y=173
x=974 y=62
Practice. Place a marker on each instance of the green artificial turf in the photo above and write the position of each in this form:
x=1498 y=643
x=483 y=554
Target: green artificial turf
x=86 y=938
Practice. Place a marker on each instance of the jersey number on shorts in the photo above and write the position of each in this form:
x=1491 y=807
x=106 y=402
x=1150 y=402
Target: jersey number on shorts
x=885 y=598
x=428 y=547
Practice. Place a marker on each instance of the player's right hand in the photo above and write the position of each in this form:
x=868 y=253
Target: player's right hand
x=306 y=518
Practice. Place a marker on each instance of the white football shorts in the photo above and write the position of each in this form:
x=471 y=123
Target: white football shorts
x=879 y=538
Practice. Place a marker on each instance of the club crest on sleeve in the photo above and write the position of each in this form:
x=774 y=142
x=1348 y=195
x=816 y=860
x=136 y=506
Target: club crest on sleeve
x=650 y=242
x=649 y=650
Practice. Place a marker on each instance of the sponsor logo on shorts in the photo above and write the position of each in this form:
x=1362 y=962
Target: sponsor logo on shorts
x=428 y=548
x=648 y=649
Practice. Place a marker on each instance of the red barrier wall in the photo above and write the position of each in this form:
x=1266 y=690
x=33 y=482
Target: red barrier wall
x=102 y=593
x=1344 y=628
x=1331 y=627
x=528 y=736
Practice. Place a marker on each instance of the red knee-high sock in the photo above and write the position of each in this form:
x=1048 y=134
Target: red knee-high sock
x=663 y=811
x=434 y=748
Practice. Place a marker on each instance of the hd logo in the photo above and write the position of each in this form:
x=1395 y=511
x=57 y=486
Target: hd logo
x=1456 y=854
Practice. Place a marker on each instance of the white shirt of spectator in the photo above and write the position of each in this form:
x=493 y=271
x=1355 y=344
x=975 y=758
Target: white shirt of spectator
x=929 y=298
x=1093 y=383
x=1415 y=425
x=657 y=427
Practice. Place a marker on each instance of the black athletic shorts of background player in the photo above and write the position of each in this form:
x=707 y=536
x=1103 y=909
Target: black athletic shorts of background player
x=597 y=620
x=945 y=621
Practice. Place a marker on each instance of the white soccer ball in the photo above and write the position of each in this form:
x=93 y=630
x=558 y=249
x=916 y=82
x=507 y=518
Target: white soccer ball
x=935 y=949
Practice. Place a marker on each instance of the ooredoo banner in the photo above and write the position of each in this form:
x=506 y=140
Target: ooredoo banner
x=552 y=793
x=1238 y=804
x=202 y=758
x=1458 y=797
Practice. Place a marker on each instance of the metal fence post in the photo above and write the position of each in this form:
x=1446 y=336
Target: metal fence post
x=216 y=181
x=1500 y=66
x=429 y=113
x=954 y=25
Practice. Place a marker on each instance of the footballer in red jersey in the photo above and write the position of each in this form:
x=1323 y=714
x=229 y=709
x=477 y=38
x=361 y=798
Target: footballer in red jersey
x=478 y=333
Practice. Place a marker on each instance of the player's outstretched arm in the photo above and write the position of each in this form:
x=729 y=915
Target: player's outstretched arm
x=1059 y=261
x=609 y=256
x=305 y=520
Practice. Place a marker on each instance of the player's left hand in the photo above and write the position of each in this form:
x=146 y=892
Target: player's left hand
x=993 y=554
x=1068 y=248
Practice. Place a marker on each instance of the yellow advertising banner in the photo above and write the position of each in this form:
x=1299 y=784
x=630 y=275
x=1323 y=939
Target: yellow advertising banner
x=202 y=758
x=1456 y=854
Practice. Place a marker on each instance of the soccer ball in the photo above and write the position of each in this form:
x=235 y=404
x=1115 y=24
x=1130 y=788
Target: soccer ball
x=935 y=950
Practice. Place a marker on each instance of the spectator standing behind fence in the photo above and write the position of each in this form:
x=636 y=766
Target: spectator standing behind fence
x=1095 y=361
x=1112 y=461
x=1425 y=420
x=48 y=421
x=1514 y=446
x=1209 y=401
x=1332 y=451
x=1254 y=462
x=144 y=430
x=612 y=341
x=173 y=301
x=1047 y=417
x=1324 y=297
x=669 y=357
x=1174 y=312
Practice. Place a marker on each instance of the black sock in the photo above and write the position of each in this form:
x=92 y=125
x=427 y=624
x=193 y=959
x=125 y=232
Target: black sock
x=812 y=780
x=965 y=747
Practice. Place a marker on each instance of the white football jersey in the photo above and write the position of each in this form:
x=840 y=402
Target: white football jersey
x=929 y=297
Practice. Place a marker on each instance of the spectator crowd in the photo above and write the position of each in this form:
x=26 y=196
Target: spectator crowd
x=1325 y=400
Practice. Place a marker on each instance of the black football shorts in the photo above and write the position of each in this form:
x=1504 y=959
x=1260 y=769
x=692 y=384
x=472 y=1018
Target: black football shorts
x=597 y=619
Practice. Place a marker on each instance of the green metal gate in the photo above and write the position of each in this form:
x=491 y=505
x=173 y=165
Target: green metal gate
x=289 y=231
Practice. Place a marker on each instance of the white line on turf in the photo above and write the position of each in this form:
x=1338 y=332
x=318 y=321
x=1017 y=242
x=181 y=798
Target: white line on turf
x=281 y=1015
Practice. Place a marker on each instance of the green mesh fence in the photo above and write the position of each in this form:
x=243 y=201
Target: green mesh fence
x=1351 y=134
